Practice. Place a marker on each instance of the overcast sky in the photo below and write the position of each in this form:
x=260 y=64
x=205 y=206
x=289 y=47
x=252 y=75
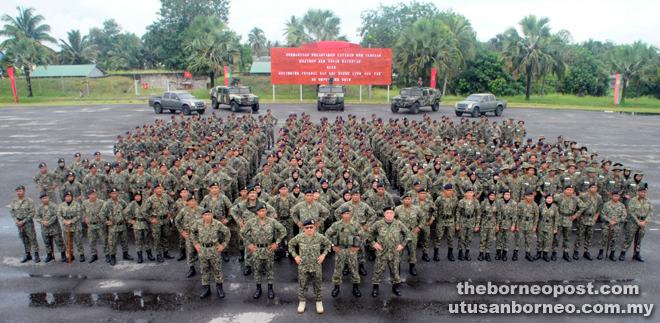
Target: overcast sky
x=619 y=21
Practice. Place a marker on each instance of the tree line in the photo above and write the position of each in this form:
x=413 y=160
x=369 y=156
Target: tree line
x=194 y=35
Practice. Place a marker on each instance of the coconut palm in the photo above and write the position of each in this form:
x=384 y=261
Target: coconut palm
x=257 y=41
x=633 y=62
x=77 y=49
x=464 y=38
x=316 y=25
x=27 y=25
x=25 y=53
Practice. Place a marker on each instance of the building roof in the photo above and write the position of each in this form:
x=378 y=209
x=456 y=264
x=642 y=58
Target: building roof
x=91 y=70
x=261 y=66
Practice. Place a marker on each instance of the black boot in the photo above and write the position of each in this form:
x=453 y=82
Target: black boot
x=271 y=292
x=159 y=258
x=126 y=256
x=36 y=258
x=436 y=254
x=567 y=257
x=554 y=256
x=374 y=293
x=167 y=255
x=498 y=254
x=515 y=255
x=140 y=259
x=504 y=257
x=93 y=258
x=49 y=258
x=27 y=258
x=113 y=260
x=576 y=255
x=425 y=257
x=361 y=270
x=150 y=256
x=467 y=255
x=587 y=255
x=528 y=256
x=107 y=258
x=182 y=255
x=545 y=256
x=601 y=253
x=450 y=254
x=225 y=256
x=622 y=256
x=395 y=290
x=207 y=291
x=638 y=257
x=63 y=257
x=345 y=271
x=372 y=257
x=242 y=256
x=537 y=256
x=488 y=257
x=82 y=257
x=257 y=293
x=460 y=255
x=74 y=258
x=612 y=256
x=191 y=272
x=356 y=290
x=335 y=291
x=247 y=271
x=219 y=290
x=481 y=256
x=413 y=270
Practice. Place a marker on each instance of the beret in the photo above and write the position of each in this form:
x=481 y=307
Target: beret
x=388 y=208
x=506 y=190
x=91 y=190
x=213 y=184
x=282 y=185
x=20 y=187
x=529 y=192
x=469 y=189
x=381 y=184
x=491 y=192
x=344 y=210
x=642 y=187
x=71 y=194
x=112 y=190
x=568 y=186
x=157 y=185
x=206 y=210
x=355 y=191
x=405 y=195
x=192 y=198
x=61 y=160
x=243 y=188
x=593 y=184
x=42 y=165
x=92 y=166
x=308 y=222
x=422 y=189
x=42 y=195
x=449 y=187
x=138 y=192
x=189 y=168
x=309 y=191
x=260 y=206
x=615 y=192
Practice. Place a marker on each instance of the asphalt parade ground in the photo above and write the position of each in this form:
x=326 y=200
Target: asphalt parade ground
x=154 y=292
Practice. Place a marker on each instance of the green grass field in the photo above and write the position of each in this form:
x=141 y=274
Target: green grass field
x=115 y=90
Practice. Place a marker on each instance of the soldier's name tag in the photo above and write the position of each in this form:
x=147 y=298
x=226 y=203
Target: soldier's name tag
x=546 y=183
x=567 y=178
x=586 y=182
x=601 y=176
x=633 y=184
x=612 y=182
x=526 y=184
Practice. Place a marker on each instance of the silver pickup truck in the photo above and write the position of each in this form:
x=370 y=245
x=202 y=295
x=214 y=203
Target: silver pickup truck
x=177 y=101
x=478 y=104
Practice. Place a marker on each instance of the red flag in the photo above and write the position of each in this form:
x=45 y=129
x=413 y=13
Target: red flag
x=10 y=71
x=616 y=89
x=226 y=76
x=433 y=73
x=187 y=75
x=145 y=86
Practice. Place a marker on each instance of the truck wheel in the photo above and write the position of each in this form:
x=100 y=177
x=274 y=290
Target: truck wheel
x=435 y=106
x=186 y=110
x=341 y=106
x=318 y=106
x=458 y=113
x=158 y=108
x=214 y=103
x=201 y=111
x=415 y=108
x=255 y=107
x=498 y=111
x=234 y=106
x=394 y=108
x=476 y=113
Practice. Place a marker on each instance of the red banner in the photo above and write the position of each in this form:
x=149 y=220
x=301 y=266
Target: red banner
x=433 y=73
x=346 y=65
x=616 y=89
x=10 y=71
x=187 y=75
x=226 y=76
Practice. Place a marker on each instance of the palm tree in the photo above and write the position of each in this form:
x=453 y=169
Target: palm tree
x=127 y=54
x=316 y=25
x=465 y=41
x=257 y=41
x=25 y=53
x=427 y=44
x=527 y=52
x=27 y=25
x=77 y=50
x=295 y=32
x=632 y=62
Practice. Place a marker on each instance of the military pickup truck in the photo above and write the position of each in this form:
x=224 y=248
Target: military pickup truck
x=416 y=97
x=478 y=104
x=330 y=96
x=177 y=101
x=234 y=96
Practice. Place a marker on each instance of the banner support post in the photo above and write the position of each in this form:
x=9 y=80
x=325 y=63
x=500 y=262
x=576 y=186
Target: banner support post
x=273 y=92
x=300 y=92
x=360 y=93
x=388 y=93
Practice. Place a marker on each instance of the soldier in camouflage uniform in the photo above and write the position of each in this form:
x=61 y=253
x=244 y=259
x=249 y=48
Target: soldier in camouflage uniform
x=506 y=224
x=186 y=216
x=69 y=214
x=283 y=203
x=263 y=236
x=97 y=228
x=310 y=209
x=613 y=213
x=446 y=221
x=51 y=231
x=526 y=223
x=309 y=250
x=640 y=211
x=141 y=228
x=210 y=237
x=547 y=227
x=113 y=214
x=219 y=205
x=426 y=204
x=568 y=205
x=413 y=217
x=487 y=227
x=72 y=185
x=389 y=236
x=347 y=239
x=46 y=182
x=22 y=212
x=158 y=209
x=468 y=216
x=589 y=211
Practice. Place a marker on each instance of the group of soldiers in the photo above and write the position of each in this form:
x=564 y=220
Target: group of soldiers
x=200 y=183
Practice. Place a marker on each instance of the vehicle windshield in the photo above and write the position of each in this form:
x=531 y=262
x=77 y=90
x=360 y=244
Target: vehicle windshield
x=239 y=91
x=184 y=96
x=331 y=90
x=475 y=98
x=411 y=92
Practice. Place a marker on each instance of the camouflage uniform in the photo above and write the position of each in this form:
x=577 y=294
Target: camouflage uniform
x=468 y=216
x=526 y=221
x=46 y=182
x=309 y=270
x=638 y=210
x=589 y=208
x=23 y=210
x=262 y=234
x=445 y=220
x=489 y=216
x=301 y=212
x=184 y=219
x=52 y=232
x=549 y=220
x=344 y=236
x=114 y=211
x=568 y=208
x=505 y=220
x=389 y=236
x=97 y=228
x=612 y=212
x=283 y=206
x=429 y=210
x=159 y=208
x=141 y=228
x=413 y=217
x=209 y=237
x=72 y=212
